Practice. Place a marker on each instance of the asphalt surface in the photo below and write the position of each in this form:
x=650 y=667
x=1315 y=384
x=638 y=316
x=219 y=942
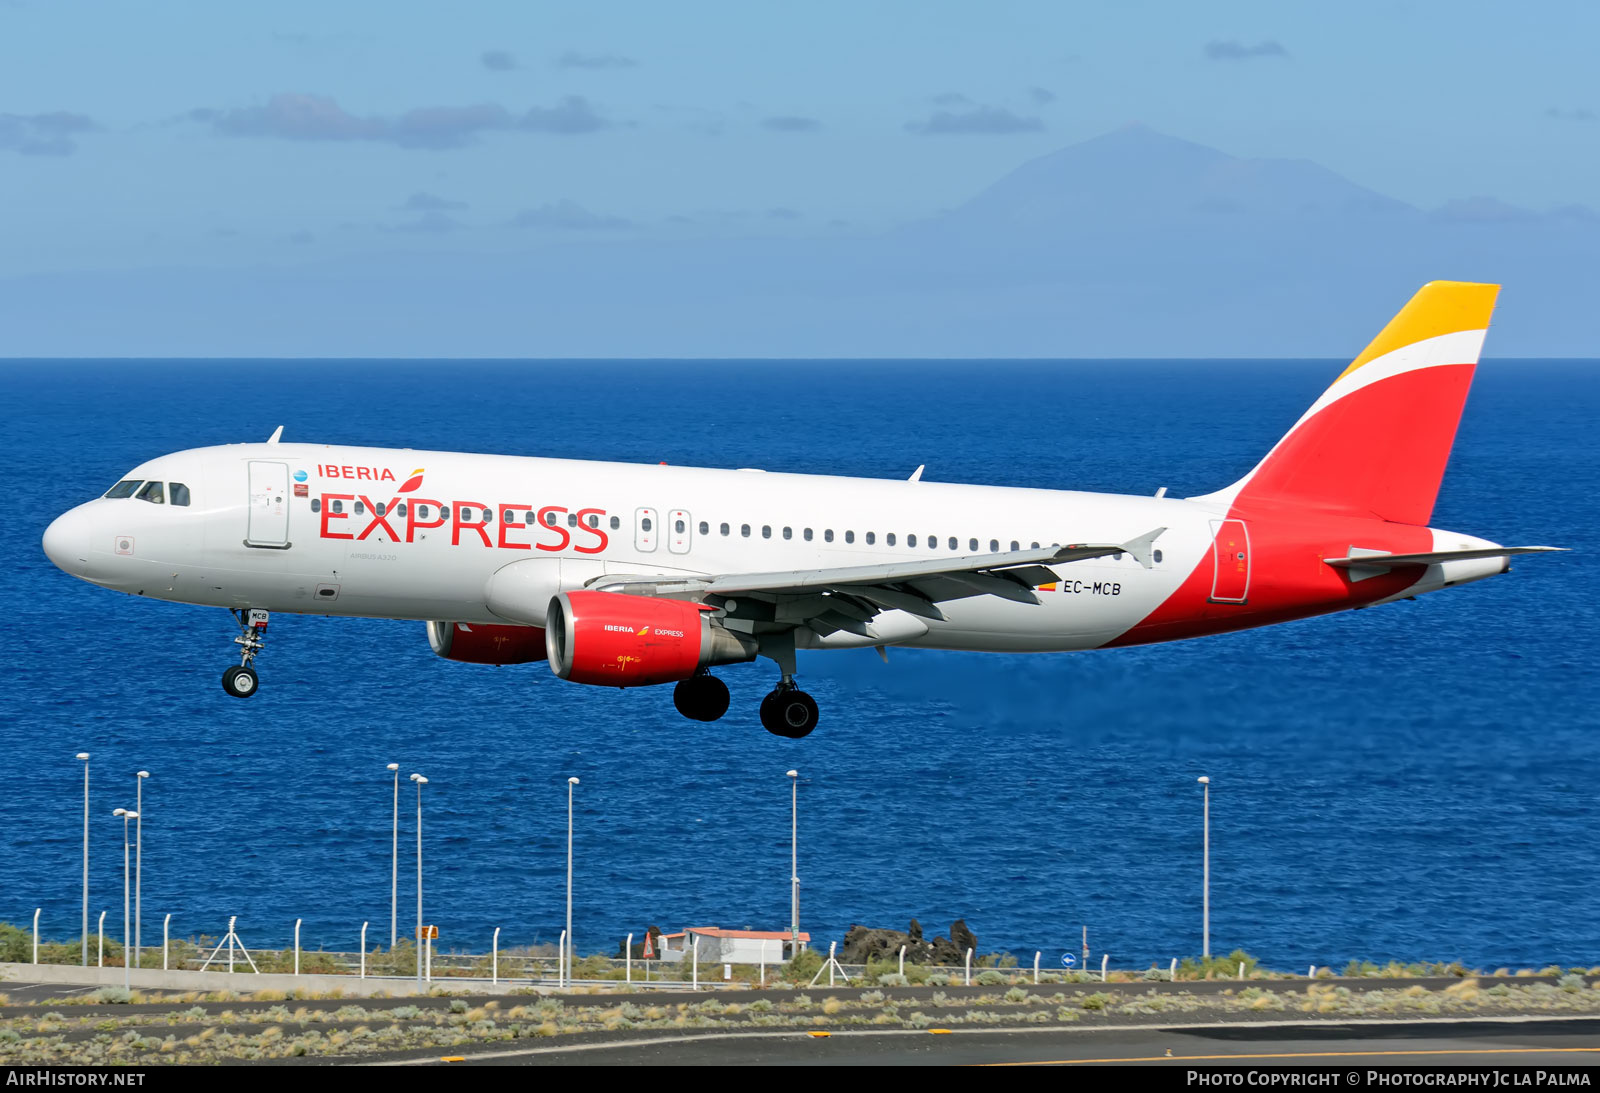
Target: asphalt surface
x=1563 y=1043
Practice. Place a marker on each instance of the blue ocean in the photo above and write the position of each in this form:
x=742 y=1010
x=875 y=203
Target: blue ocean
x=1414 y=782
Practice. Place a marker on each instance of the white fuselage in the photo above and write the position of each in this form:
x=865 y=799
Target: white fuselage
x=396 y=568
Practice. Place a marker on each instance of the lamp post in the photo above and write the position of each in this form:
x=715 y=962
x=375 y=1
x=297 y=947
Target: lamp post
x=394 y=864
x=126 y=816
x=83 y=755
x=138 y=865
x=1205 y=912
x=571 y=948
x=421 y=781
x=794 y=863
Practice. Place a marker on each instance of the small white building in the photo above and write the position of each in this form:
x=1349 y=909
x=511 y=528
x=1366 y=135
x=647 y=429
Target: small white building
x=719 y=946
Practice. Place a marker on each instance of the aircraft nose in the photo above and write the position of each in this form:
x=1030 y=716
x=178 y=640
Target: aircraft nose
x=66 y=541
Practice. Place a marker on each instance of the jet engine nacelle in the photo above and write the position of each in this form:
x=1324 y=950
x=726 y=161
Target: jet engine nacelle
x=615 y=640
x=473 y=643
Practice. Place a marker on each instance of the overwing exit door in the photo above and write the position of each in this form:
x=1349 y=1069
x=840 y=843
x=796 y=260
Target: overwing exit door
x=269 y=505
x=1230 y=547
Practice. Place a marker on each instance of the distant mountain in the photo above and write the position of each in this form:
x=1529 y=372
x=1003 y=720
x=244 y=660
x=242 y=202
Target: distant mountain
x=1137 y=176
x=1127 y=245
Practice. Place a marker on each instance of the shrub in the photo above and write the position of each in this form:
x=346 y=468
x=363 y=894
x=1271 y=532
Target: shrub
x=16 y=944
x=937 y=979
x=1095 y=1001
x=458 y=1006
x=1016 y=994
x=1570 y=983
x=404 y=1013
x=804 y=967
x=872 y=998
x=894 y=979
x=990 y=978
x=112 y=995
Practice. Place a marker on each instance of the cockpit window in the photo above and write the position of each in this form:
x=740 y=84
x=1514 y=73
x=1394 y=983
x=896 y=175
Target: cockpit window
x=178 y=493
x=124 y=488
x=153 y=493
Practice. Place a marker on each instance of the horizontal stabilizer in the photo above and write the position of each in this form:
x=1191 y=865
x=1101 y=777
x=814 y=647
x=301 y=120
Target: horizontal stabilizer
x=1433 y=557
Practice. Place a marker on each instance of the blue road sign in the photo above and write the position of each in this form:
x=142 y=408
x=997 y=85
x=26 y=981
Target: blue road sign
x=1068 y=960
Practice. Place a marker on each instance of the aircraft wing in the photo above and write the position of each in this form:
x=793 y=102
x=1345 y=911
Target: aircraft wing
x=849 y=597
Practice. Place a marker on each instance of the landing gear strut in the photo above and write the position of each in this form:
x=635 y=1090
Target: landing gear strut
x=701 y=697
x=241 y=680
x=788 y=711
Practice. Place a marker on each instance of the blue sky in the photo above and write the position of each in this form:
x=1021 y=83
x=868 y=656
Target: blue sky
x=144 y=136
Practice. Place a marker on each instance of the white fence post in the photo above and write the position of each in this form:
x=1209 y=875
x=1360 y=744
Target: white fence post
x=1105 y=959
x=363 y=950
x=1172 y=972
x=696 y=959
x=36 y=911
x=428 y=974
x=166 y=924
x=1312 y=974
x=1241 y=969
x=902 y=960
x=561 y=961
x=100 y=953
x=494 y=959
x=627 y=960
x=969 y=967
x=1036 y=967
x=832 y=945
x=297 y=946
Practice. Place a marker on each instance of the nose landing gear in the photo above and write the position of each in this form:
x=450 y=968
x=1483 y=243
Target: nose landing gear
x=241 y=680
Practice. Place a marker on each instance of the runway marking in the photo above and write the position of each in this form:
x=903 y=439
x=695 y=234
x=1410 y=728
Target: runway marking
x=1308 y=1055
x=819 y=1034
x=452 y=1058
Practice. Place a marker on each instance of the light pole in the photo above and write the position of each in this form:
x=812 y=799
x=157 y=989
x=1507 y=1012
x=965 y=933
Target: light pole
x=421 y=781
x=138 y=865
x=126 y=816
x=571 y=948
x=394 y=864
x=1205 y=913
x=83 y=755
x=794 y=863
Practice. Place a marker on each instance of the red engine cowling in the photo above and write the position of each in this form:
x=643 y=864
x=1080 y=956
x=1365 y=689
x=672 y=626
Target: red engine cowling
x=614 y=640
x=486 y=644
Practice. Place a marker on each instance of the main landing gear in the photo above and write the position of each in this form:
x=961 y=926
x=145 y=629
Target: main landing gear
x=701 y=697
x=241 y=680
x=788 y=711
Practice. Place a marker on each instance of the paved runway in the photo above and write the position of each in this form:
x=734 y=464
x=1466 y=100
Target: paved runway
x=1534 y=1042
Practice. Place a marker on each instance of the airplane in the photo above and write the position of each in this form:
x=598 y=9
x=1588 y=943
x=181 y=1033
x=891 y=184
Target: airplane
x=625 y=575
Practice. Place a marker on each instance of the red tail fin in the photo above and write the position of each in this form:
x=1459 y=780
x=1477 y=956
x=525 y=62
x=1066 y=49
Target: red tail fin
x=1377 y=441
